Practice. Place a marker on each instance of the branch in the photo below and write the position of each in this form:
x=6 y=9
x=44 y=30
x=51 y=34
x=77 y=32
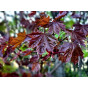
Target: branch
x=58 y=65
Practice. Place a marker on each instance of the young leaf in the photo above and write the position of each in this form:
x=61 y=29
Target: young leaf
x=18 y=40
x=43 y=21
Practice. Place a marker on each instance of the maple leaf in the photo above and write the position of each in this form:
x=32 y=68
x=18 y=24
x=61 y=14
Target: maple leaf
x=76 y=53
x=26 y=23
x=43 y=21
x=42 y=42
x=18 y=40
x=70 y=52
x=55 y=27
x=77 y=36
x=66 y=52
x=60 y=15
x=82 y=28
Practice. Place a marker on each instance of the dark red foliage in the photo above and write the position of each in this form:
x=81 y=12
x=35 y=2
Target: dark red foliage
x=41 y=39
x=76 y=36
x=60 y=15
x=82 y=28
x=70 y=52
x=26 y=24
x=55 y=27
x=42 y=42
x=32 y=13
x=77 y=53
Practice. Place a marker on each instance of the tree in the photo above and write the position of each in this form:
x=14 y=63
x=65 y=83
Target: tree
x=46 y=43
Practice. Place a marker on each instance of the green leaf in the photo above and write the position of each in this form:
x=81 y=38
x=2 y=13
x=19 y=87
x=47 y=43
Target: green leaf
x=85 y=53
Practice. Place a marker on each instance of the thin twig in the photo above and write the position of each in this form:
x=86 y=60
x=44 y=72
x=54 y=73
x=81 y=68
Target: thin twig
x=58 y=65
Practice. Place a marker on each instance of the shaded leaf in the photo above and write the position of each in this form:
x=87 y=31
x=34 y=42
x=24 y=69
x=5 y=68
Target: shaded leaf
x=82 y=28
x=76 y=53
x=70 y=52
x=56 y=27
x=77 y=36
x=42 y=42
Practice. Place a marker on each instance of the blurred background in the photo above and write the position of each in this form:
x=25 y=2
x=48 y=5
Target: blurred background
x=10 y=23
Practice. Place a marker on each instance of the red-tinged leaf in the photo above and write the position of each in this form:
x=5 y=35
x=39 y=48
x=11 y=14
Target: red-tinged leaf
x=60 y=15
x=32 y=13
x=26 y=24
x=42 y=42
x=43 y=21
x=18 y=40
x=66 y=52
x=82 y=28
x=70 y=52
x=56 y=27
x=75 y=55
x=77 y=36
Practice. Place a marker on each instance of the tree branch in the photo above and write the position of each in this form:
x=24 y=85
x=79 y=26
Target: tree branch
x=58 y=65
